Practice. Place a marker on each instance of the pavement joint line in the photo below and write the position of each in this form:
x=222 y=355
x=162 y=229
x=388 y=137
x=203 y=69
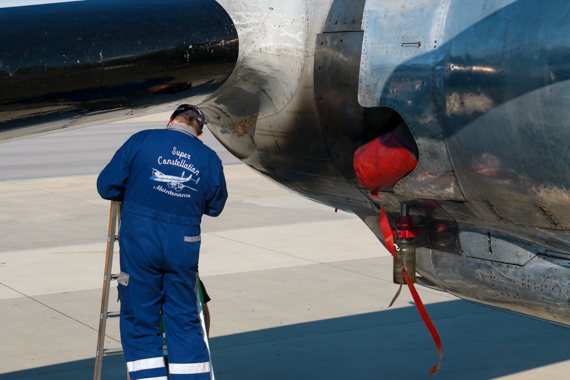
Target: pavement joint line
x=289 y=254
x=59 y=312
x=267 y=249
x=327 y=263
x=427 y=290
x=331 y=264
x=36 y=178
x=57 y=194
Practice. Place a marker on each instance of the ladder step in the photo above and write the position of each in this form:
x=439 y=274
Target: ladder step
x=116 y=237
x=112 y=351
x=114 y=276
x=113 y=314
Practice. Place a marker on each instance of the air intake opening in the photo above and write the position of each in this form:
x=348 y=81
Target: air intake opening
x=390 y=152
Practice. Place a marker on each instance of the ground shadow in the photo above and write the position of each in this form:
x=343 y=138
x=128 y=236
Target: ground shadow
x=479 y=343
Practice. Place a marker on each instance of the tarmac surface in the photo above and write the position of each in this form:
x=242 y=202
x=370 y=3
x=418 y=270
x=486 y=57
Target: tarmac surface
x=298 y=291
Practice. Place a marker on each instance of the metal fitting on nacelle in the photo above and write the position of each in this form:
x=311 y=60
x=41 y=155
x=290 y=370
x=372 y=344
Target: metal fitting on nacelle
x=406 y=252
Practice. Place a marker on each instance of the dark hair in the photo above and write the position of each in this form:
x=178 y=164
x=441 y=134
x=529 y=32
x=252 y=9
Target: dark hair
x=188 y=120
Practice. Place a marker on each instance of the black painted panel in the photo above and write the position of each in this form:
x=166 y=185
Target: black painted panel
x=80 y=57
x=337 y=62
x=345 y=16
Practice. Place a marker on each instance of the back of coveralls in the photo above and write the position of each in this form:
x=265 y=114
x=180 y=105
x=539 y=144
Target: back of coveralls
x=167 y=180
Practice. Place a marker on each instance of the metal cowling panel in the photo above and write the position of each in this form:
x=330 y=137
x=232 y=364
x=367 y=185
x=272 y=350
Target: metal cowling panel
x=504 y=95
x=399 y=55
x=540 y=288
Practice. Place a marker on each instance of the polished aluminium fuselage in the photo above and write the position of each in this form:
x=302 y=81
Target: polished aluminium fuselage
x=483 y=87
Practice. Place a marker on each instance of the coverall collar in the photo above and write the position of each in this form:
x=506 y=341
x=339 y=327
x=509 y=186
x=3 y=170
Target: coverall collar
x=183 y=129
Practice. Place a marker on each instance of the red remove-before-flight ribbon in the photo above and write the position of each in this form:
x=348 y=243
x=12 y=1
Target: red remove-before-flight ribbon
x=387 y=232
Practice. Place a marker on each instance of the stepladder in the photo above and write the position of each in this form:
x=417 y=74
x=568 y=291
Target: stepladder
x=105 y=314
x=108 y=277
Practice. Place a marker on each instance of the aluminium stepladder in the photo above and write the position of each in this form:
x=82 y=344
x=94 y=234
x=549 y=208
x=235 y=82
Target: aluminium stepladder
x=114 y=218
x=112 y=237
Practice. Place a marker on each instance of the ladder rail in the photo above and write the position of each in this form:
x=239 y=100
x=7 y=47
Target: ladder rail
x=114 y=217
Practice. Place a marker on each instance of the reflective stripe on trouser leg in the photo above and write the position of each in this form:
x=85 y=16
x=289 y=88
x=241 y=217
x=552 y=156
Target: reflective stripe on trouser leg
x=189 y=368
x=142 y=364
x=187 y=351
x=194 y=371
x=203 y=323
x=146 y=374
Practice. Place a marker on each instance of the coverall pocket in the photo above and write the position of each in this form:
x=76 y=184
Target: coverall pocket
x=191 y=251
x=125 y=298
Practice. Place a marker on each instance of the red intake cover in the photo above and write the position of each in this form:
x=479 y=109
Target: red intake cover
x=382 y=162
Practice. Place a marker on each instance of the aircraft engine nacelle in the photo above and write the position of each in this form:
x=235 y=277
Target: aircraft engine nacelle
x=457 y=86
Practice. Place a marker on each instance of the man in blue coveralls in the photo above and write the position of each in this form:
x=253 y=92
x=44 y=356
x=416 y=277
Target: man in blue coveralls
x=167 y=179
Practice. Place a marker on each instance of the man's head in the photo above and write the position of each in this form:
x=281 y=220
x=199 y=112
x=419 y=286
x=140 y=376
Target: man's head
x=190 y=116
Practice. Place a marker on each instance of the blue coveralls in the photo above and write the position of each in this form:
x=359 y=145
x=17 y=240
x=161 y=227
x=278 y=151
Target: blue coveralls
x=167 y=180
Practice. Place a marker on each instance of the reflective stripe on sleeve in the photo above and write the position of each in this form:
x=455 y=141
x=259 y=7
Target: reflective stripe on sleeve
x=155 y=378
x=189 y=368
x=192 y=239
x=140 y=365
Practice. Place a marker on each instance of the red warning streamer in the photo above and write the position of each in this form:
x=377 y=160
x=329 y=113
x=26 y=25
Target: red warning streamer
x=387 y=232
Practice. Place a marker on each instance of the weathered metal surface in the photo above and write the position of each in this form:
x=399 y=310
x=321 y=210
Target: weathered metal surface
x=442 y=235
x=344 y=16
x=540 y=288
x=399 y=54
x=496 y=247
x=504 y=108
x=337 y=58
x=274 y=40
x=342 y=120
x=267 y=110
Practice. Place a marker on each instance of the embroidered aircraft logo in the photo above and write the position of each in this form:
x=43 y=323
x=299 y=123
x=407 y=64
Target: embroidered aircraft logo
x=176 y=183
